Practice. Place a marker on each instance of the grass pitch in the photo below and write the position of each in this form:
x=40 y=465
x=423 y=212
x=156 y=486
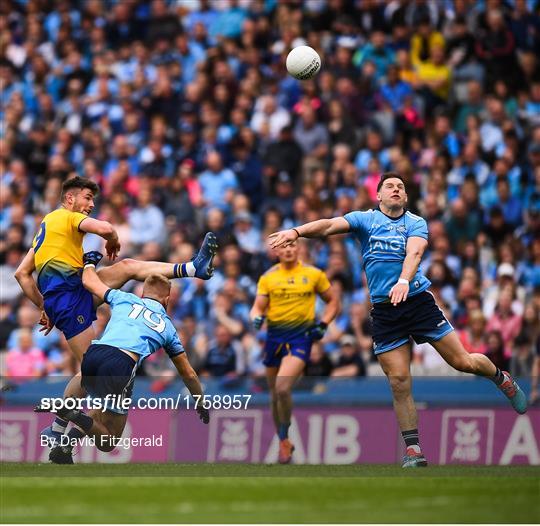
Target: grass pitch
x=225 y=493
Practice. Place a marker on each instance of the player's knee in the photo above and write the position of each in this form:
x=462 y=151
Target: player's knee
x=282 y=391
x=464 y=363
x=127 y=266
x=400 y=384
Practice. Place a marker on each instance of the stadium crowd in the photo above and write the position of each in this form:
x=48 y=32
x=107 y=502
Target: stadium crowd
x=183 y=113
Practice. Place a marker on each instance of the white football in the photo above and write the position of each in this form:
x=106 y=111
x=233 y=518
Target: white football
x=303 y=62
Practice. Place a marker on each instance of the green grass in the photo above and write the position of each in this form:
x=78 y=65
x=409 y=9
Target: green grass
x=143 y=493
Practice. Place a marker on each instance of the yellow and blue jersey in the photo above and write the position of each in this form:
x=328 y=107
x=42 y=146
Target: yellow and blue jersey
x=292 y=295
x=58 y=251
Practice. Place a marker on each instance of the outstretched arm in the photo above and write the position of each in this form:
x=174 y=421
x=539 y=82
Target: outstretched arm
x=105 y=230
x=192 y=382
x=319 y=228
x=23 y=275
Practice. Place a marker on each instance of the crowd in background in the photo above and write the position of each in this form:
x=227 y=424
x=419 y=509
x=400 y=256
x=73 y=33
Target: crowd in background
x=183 y=113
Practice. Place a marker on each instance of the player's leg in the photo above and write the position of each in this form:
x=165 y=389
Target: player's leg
x=78 y=345
x=396 y=365
x=107 y=427
x=290 y=370
x=120 y=273
x=453 y=352
x=271 y=373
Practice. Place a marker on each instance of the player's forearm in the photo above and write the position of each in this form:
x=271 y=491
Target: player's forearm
x=410 y=265
x=331 y=311
x=30 y=290
x=319 y=228
x=192 y=382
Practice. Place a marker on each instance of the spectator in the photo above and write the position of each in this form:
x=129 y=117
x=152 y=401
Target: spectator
x=319 y=363
x=25 y=361
x=505 y=321
x=221 y=358
x=473 y=337
x=146 y=220
x=349 y=362
x=217 y=183
x=495 y=350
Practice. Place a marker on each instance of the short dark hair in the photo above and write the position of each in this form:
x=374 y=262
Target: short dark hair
x=79 y=183
x=389 y=175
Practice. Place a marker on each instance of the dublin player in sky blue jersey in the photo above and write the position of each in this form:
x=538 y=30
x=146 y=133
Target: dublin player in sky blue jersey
x=138 y=327
x=393 y=242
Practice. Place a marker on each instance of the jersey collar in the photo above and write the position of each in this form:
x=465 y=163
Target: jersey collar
x=389 y=217
x=146 y=298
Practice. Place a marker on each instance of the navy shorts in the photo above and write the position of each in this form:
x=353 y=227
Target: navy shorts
x=418 y=317
x=106 y=370
x=274 y=351
x=71 y=311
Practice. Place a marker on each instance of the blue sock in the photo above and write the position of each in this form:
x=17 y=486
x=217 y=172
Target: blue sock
x=283 y=431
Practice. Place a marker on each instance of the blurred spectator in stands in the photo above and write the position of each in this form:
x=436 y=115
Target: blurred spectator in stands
x=495 y=47
x=7 y=322
x=319 y=363
x=349 y=362
x=505 y=321
x=495 y=350
x=25 y=360
x=221 y=359
x=146 y=220
x=473 y=336
x=217 y=183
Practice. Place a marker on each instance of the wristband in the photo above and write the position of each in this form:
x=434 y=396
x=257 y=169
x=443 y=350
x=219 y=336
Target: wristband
x=89 y=265
x=403 y=281
x=297 y=233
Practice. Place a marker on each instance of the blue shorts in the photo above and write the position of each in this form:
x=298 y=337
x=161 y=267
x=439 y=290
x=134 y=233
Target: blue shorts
x=71 y=311
x=106 y=370
x=418 y=317
x=274 y=351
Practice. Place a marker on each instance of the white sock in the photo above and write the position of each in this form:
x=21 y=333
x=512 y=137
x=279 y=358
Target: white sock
x=190 y=269
x=59 y=425
x=415 y=448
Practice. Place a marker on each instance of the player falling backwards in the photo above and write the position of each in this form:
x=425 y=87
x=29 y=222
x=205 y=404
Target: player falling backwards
x=138 y=327
x=286 y=295
x=57 y=255
x=393 y=241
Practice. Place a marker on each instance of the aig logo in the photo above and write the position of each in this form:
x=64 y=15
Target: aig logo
x=388 y=244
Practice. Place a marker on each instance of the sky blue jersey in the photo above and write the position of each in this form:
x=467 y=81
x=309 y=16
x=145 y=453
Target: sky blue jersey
x=139 y=325
x=383 y=241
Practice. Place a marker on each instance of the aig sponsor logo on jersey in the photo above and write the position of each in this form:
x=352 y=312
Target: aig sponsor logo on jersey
x=387 y=244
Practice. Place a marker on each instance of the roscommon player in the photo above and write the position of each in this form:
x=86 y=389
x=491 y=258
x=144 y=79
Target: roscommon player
x=393 y=241
x=286 y=295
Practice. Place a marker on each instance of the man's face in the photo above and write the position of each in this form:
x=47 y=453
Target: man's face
x=82 y=201
x=392 y=194
x=288 y=254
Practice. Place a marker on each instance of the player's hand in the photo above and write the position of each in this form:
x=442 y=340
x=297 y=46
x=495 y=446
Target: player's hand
x=258 y=322
x=283 y=238
x=92 y=258
x=317 y=331
x=204 y=414
x=46 y=324
x=112 y=248
x=398 y=293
